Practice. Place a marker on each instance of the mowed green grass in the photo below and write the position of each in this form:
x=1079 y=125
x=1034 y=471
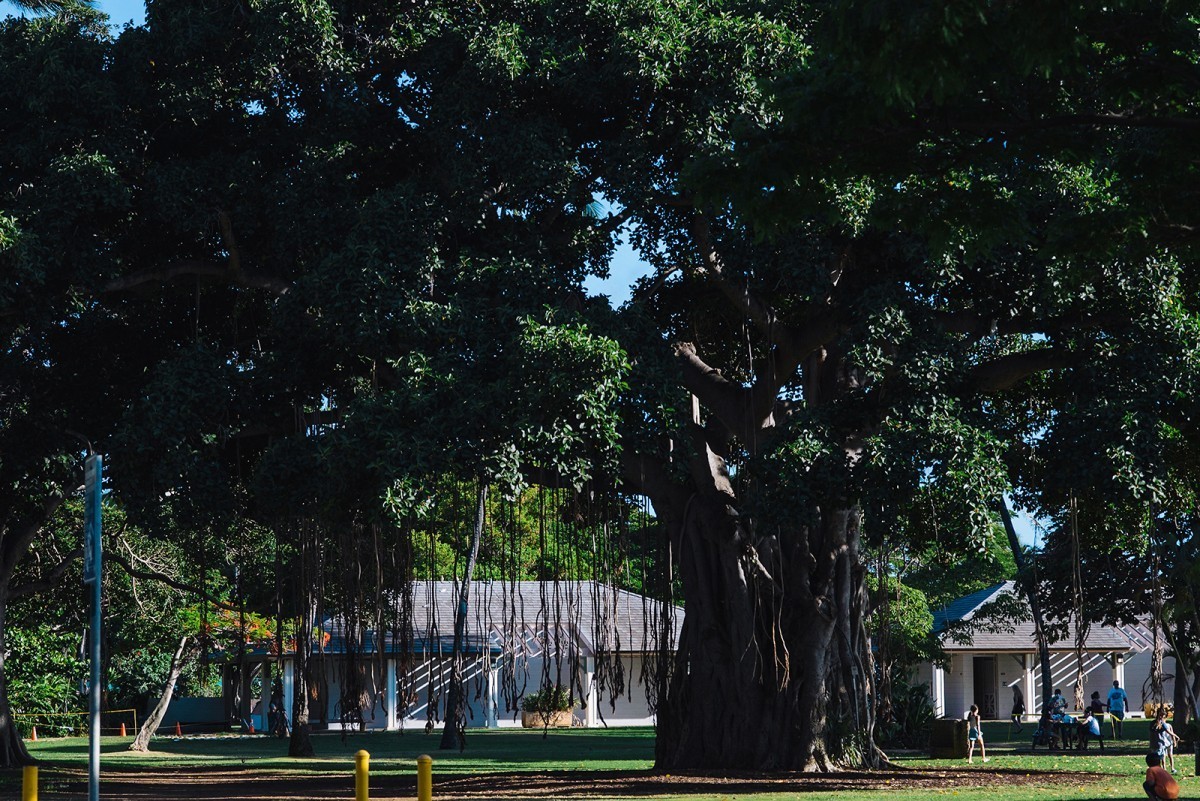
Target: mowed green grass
x=503 y=750
x=510 y=750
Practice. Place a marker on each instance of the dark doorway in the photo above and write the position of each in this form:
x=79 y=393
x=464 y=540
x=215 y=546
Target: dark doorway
x=985 y=686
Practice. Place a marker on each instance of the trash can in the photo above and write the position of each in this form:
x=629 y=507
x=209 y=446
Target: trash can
x=948 y=739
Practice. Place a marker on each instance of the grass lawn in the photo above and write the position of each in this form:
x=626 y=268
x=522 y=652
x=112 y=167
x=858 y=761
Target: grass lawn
x=609 y=764
x=489 y=751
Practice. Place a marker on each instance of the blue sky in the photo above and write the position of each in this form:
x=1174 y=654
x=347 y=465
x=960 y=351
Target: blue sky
x=121 y=11
x=626 y=267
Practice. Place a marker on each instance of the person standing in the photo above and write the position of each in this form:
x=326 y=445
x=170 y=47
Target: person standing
x=1117 y=701
x=1018 y=707
x=1163 y=738
x=975 y=735
x=1058 y=704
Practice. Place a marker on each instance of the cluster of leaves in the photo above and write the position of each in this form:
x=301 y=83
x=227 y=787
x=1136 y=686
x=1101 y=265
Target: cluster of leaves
x=554 y=698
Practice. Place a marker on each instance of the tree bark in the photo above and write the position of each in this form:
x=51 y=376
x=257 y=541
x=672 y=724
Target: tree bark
x=454 y=730
x=772 y=664
x=12 y=748
x=15 y=540
x=300 y=744
x=183 y=654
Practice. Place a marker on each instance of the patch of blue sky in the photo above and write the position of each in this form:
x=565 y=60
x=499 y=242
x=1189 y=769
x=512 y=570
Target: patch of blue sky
x=120 y=12
x=627 y=265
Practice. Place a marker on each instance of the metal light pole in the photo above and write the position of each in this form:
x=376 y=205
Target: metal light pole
x=92 y=468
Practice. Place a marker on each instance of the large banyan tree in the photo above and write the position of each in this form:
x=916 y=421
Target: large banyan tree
x=876 y=265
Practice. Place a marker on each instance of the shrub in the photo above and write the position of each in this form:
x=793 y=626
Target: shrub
x=913 y=717
x=548 y=700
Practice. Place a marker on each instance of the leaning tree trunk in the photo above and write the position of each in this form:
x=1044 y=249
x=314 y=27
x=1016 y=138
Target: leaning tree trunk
x=179 y=660
x=1081 y=624
x=15 y=541
x=1026 y=577
x=12 y=748
x=455 y=729
x=772 y=664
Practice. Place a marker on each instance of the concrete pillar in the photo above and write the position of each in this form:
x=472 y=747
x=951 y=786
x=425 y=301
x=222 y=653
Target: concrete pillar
x=390 y=696
x=1032 y=705
x=1118 y=673
x=937 y=691
x=593 y=697
x=493 y=694
x=289 y=686
x=264 y=703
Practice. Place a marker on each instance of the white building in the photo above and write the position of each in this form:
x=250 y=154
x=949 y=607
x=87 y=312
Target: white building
x=1000 y=654
x=521 y=636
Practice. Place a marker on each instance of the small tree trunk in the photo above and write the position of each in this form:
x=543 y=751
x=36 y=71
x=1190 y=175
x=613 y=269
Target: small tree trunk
x=300 y=744
x=1081 y=623
x=1025 y=576
x=455 y=729
x=12 y=749
x=182 y=656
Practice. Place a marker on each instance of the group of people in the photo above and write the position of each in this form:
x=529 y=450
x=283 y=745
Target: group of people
x=1056 y=727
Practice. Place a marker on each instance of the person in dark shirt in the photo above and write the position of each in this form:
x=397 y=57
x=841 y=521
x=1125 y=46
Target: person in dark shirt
x=1018 y=707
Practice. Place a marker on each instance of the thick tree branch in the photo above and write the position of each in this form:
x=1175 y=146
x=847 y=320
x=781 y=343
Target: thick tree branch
x=195 y=268
x=163 y=578
x=730 y=402
x=15 y=541
x=979 y=326
x=231 y=246
x=759 y=312
x=48 y=580
x=1005 y=372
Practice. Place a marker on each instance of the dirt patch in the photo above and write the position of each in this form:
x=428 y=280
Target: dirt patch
x=258 y=785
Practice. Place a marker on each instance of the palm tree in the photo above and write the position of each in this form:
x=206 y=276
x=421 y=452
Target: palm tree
x=50 y=6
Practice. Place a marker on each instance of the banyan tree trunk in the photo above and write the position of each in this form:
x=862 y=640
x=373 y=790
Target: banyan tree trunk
x=772 y=670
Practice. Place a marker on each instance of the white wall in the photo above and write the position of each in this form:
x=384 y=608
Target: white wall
x=1137 y=675
x=525 y=676
x=960 y=685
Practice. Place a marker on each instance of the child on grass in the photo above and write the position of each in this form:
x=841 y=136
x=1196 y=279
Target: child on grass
x=1089 y=729
x=1159 y=785
x=975 y=734
x=1163 y=738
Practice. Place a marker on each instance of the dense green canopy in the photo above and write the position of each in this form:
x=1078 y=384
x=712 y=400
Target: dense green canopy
x=297 y=262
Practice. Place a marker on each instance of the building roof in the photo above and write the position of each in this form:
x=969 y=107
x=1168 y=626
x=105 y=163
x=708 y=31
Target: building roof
x=983 y=621
x=567 y=617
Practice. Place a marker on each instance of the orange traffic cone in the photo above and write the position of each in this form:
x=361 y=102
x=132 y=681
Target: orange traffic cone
x=122 y=729
x=34 y=734
x=251 y=722
x=178 y=730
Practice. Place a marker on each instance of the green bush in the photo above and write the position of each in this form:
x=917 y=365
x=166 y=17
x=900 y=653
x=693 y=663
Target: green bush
x=548 y=700
x=913 y=717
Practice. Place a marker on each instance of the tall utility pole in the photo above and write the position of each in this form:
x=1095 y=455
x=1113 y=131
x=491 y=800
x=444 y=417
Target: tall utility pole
x=92 y=469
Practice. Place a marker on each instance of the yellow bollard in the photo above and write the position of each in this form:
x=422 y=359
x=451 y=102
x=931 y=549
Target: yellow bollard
x=424 y=778
x=362 y=771
x=29 y=783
